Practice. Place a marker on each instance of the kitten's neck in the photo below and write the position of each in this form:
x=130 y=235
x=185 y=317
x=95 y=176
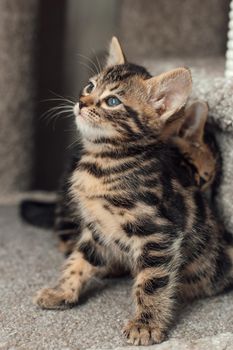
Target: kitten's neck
x=118 y=144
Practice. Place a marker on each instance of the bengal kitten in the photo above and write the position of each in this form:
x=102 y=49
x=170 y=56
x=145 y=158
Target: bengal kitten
x=134 y=206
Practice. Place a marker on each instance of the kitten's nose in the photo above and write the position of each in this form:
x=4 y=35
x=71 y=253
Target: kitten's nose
x=202 y=181
x=82 y=104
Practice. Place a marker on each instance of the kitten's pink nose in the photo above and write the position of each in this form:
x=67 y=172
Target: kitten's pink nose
x=82 y=104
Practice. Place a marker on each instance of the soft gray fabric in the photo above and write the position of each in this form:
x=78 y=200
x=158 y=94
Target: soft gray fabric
x=29 y=260
x=218 y=92
x=225 y=192
x=17 y=40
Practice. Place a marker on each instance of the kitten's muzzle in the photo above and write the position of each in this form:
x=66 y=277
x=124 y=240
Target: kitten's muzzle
x=86 y=101
x=82 y=104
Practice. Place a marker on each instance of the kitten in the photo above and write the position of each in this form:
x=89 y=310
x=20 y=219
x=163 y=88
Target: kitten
x=133 y=206
x=199 y=158
x=197 y=146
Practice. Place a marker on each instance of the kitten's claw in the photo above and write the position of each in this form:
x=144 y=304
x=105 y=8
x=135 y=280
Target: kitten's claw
x=142 y=334
x=52 y=298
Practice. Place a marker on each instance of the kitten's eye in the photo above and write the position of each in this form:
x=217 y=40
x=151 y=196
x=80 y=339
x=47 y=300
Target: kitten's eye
x=89 y=88
x=112 y=101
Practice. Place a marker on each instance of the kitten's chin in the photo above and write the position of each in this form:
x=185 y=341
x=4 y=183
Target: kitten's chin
x=87 y=129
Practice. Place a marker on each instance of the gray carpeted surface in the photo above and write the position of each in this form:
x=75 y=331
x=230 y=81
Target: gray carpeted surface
x=29 y=260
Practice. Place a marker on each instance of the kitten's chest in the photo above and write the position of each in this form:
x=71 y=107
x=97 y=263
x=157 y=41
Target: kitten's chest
x=108 y=206
x=91 y=195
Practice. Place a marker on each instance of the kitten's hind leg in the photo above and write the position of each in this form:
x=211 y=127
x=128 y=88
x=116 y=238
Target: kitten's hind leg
x=85 y=262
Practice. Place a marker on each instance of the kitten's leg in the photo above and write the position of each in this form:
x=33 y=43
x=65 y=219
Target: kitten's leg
x=67 y=226
x=155 y=293
x=86 y=261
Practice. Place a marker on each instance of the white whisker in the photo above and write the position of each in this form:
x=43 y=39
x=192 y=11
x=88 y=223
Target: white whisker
x=97 y=60
x=91 y=61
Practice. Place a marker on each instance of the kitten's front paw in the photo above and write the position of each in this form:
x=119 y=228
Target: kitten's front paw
x=52 y=298
x=138 y=333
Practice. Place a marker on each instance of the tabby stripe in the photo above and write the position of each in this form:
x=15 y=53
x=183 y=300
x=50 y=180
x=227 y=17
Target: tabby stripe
x=133 y=114
x=114 y=87
x=118 y=201
x=98 y=172
x=198 y=247
x=200 y=203
x=175 y=210
x=96 y=235
x=149 y=198
x=147 y=227
x=146 y=260
x=118 y=154
x=146 y=151
x=107 y=140
x=168 y=191
x=155 y=283
x=122 y=246
x=145 y=317
x=148 y=169
x=126 y=127
x=150 y=183
x=155 y=246
x=90 y=254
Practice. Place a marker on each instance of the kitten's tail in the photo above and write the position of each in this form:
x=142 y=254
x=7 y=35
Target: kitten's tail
x=38 y=213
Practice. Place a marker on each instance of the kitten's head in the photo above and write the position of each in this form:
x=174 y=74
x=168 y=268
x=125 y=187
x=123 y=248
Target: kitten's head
x=125 y=102
x=191 y=142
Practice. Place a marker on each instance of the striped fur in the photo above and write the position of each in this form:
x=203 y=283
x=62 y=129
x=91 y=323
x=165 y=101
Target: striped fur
x=133 y=204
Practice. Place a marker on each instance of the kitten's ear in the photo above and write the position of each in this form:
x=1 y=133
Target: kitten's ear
x=169 y=92
x=194 y=123
x=115 y=54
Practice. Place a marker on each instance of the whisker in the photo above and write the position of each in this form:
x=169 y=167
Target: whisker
x=73 y=143
x=97 y=60
x=58 y=114
x=58 y=99
x=60 y=107
x=55 y=111
x=91 y=61
x=90 y=68
x=62 y=97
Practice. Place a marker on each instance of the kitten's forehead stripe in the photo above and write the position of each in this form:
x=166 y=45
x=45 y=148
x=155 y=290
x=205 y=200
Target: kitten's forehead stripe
x=114 y=87
x=125 y=71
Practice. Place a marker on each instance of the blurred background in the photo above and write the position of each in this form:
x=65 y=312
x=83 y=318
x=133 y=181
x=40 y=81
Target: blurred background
x=45 y=52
